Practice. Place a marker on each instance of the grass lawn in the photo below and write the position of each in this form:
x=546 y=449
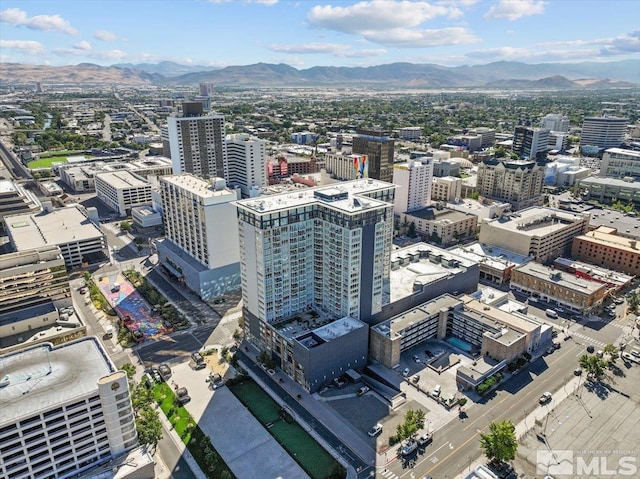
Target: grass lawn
x=303 y=448
x=46 y=162
x=197 y=442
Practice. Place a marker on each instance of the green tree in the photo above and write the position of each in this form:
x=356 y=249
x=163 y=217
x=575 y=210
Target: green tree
x=633 y=302
x=125 y=225
x=500 y=443
x=130 y=369
x=412 y=230
x=475 y=195
x=141 y=397
x=413 y=422
x=149 y=426
x=592 y=364
x=611 y=350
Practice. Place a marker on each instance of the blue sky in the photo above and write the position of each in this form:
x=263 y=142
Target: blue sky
x=307 y=33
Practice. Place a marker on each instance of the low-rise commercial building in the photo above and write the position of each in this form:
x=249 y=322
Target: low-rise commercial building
x=442 y=225
x=468 y=323
x=607 y=190
x=145 y=217
x=122 y=191
x=541 y=233
x=495 y=263
x=79 y=239
x=447 y=189
x=65 y=409
x=614 y=280
x=567 y=290
x=605 y=248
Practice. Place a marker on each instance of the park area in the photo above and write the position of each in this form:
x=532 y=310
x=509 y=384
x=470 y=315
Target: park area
x=303 y=448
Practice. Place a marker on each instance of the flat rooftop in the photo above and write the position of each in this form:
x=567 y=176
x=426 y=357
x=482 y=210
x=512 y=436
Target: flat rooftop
x=601 y=181
x=123 y=179
x=348 y=197
x=491 y=315
x=536 y=221
x=598 y=273
x=491 y=256
x=7 y=186
x=338 y=328
x=423 y=263
x=561 y=278
x=393 y=327
x=445 y=216
x=61 y=226
x=200 y=187
x=43 y=377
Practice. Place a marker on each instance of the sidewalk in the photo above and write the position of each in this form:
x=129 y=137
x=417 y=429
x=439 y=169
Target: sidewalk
x=538 y=414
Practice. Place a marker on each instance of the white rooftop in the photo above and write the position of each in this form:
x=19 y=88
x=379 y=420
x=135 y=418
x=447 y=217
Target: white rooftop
x=61 y=226
x=338 y=328
x=213 y=188
x=536 y=221
x=123 y=180
x=406 y=271
x=44 y=376
x=491 y=256
x=344 y=196
x=7 y=186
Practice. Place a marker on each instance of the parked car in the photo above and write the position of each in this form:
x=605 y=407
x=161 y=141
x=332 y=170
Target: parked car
x=416 y=358
x=437 y=390
x=165 y=371
x=590 y=349
x=138 y=337
x=405 y=372
x=408 y=448
x=577 y=372
x=425 y=439
x=415 y=378
x=545 y=398
x=619 y=300
x=363 y=390
x=182 y=400
x=550 y=349
x=428 y=353
x=375 y=430
x=182 y=392
x=197 y=358
x=83 y=290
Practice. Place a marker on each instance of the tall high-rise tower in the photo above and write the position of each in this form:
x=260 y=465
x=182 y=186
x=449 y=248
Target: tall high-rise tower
x=415 y=180
x=379 y=148
x=246 y=165
x=197 y=143
x=603 y=132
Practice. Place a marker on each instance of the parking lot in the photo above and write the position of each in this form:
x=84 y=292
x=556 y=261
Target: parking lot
x=429 y=365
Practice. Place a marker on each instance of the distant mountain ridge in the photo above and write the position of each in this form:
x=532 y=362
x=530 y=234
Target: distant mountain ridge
x=502 y=74
x=166 y=68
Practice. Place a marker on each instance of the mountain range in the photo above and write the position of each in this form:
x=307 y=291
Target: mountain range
x=395 y=75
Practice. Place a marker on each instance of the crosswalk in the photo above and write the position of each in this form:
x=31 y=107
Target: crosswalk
x=388 y=474
x=595 y=342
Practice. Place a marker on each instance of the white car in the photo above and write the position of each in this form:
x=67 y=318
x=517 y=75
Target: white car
x=408 y=448
x=405 y=372
x=545 y=398
x=437 y=390
x=375 y=430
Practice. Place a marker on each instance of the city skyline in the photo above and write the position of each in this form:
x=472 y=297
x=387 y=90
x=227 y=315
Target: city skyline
x=319 y=33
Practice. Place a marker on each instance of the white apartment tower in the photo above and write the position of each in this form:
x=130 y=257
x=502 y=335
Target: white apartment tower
x=603 y=132
x=197 y=145
x=414 y=180
x=327 y=248
x=246 y=165
x=555 y=122
x=64 y=410
x=201 y=245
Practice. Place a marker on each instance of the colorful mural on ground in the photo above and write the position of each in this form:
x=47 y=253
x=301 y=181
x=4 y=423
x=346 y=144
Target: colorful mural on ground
x=128 y=303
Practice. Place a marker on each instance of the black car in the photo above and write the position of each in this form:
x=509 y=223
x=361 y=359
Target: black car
x=590 y=349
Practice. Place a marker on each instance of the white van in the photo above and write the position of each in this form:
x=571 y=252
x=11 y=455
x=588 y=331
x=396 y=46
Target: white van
x=551 y=313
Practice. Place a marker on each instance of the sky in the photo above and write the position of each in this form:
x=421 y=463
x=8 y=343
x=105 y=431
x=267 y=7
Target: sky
x=309 y=33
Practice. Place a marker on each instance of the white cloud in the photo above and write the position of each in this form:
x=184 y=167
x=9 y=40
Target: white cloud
x=390 y=22
x=422 y=38
x=105 y=36
x=47 y=23
x=532 y=54
x=309 y=48
x=515 y=9
x=27 y=47
x=622 y=45
x=374 y=15
x=82 y=45
x=365 y=53
x=90 y=53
